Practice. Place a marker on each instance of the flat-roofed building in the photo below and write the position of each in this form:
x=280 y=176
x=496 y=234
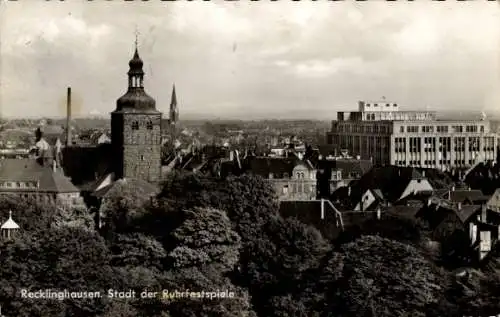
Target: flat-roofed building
x=380 y=131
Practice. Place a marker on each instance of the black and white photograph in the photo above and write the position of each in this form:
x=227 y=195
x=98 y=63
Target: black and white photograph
x=249 y=158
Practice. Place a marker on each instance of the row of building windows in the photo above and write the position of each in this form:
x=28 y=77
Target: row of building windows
x=299 y=188
x=363 y=129
x=300 y=175
x=441 y=129
x=19 y=185
x=135 y=125
x=433 y=162
x=376 y=105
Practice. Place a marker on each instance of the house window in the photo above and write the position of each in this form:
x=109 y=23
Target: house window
x=285 y=189
x=142 y=157
x=150 y=125
x=285 y=175
x=135 y=125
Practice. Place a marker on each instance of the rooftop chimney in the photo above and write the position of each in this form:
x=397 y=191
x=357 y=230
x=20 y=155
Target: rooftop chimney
x=68 y=118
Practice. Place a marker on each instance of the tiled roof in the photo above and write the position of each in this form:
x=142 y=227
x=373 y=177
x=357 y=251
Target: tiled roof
x=24 y=170
x=114 y=190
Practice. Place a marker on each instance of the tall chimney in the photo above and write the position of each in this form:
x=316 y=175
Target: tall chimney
x=68 y=118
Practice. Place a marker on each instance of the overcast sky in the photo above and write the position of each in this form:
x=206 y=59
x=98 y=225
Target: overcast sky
x=250 y=60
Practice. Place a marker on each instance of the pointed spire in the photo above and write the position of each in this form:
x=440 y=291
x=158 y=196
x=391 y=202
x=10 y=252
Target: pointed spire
x=10 y=214
x=174 y=97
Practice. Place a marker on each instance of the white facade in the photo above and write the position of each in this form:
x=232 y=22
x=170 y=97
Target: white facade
x=412 y=138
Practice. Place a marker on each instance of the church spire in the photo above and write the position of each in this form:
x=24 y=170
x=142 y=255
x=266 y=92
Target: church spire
x=174 y=97
x=174 y=111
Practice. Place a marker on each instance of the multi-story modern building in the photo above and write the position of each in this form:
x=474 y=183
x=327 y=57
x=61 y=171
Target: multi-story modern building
x=380 y=131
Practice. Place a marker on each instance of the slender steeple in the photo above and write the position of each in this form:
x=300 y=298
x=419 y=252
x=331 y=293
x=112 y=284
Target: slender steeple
x=174 y=111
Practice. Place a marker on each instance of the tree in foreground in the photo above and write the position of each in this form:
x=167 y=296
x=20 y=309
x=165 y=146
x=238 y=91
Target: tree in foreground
x=207 y=249
x=382 y=277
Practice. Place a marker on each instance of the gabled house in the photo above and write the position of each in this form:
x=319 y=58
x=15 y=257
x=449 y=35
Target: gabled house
x=371 y=200
x=483 y=234
x=392 y=182
x=292 y=178
x=477 y=228
x=30 y=179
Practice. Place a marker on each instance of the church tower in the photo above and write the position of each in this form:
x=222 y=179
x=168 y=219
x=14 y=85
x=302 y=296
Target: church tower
x=174 y=111
x=136 y=130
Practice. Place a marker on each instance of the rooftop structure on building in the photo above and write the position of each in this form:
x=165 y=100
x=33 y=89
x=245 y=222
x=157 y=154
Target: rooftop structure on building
x=381 y=131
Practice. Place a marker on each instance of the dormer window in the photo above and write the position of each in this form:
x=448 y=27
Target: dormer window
x=149 y=125
x=285 y=175
x=135 y=125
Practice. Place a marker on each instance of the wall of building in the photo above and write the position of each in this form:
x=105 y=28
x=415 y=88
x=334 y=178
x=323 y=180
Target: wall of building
x=430 y=144
x=138 y=145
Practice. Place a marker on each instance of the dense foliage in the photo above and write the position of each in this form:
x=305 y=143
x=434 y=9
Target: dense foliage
x=226 y=237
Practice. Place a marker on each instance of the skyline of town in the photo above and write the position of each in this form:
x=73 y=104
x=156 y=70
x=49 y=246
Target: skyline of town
x=278 y=66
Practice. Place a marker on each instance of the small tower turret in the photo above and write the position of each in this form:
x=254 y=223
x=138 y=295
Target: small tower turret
x=9 y=228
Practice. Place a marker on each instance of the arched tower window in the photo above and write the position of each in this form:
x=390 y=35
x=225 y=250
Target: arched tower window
x=149 y=125
x=135 y=125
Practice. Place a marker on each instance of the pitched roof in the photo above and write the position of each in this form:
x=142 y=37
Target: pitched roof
x=347 y=166
x=114 y=189
x=495 y=198
x=278 y=166
x=471 y=195
x=390 y=180
x=467 y=211
x=403 y=211
x=28 y=170
x=438 y=179
x=378 y=194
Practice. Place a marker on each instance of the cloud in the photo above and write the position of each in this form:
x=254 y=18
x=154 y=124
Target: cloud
x=238 y=58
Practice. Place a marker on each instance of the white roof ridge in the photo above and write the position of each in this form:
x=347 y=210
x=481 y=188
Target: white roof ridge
x=10 y=224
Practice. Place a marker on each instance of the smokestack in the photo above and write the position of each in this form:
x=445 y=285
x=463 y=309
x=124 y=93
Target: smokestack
x=68 y=118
